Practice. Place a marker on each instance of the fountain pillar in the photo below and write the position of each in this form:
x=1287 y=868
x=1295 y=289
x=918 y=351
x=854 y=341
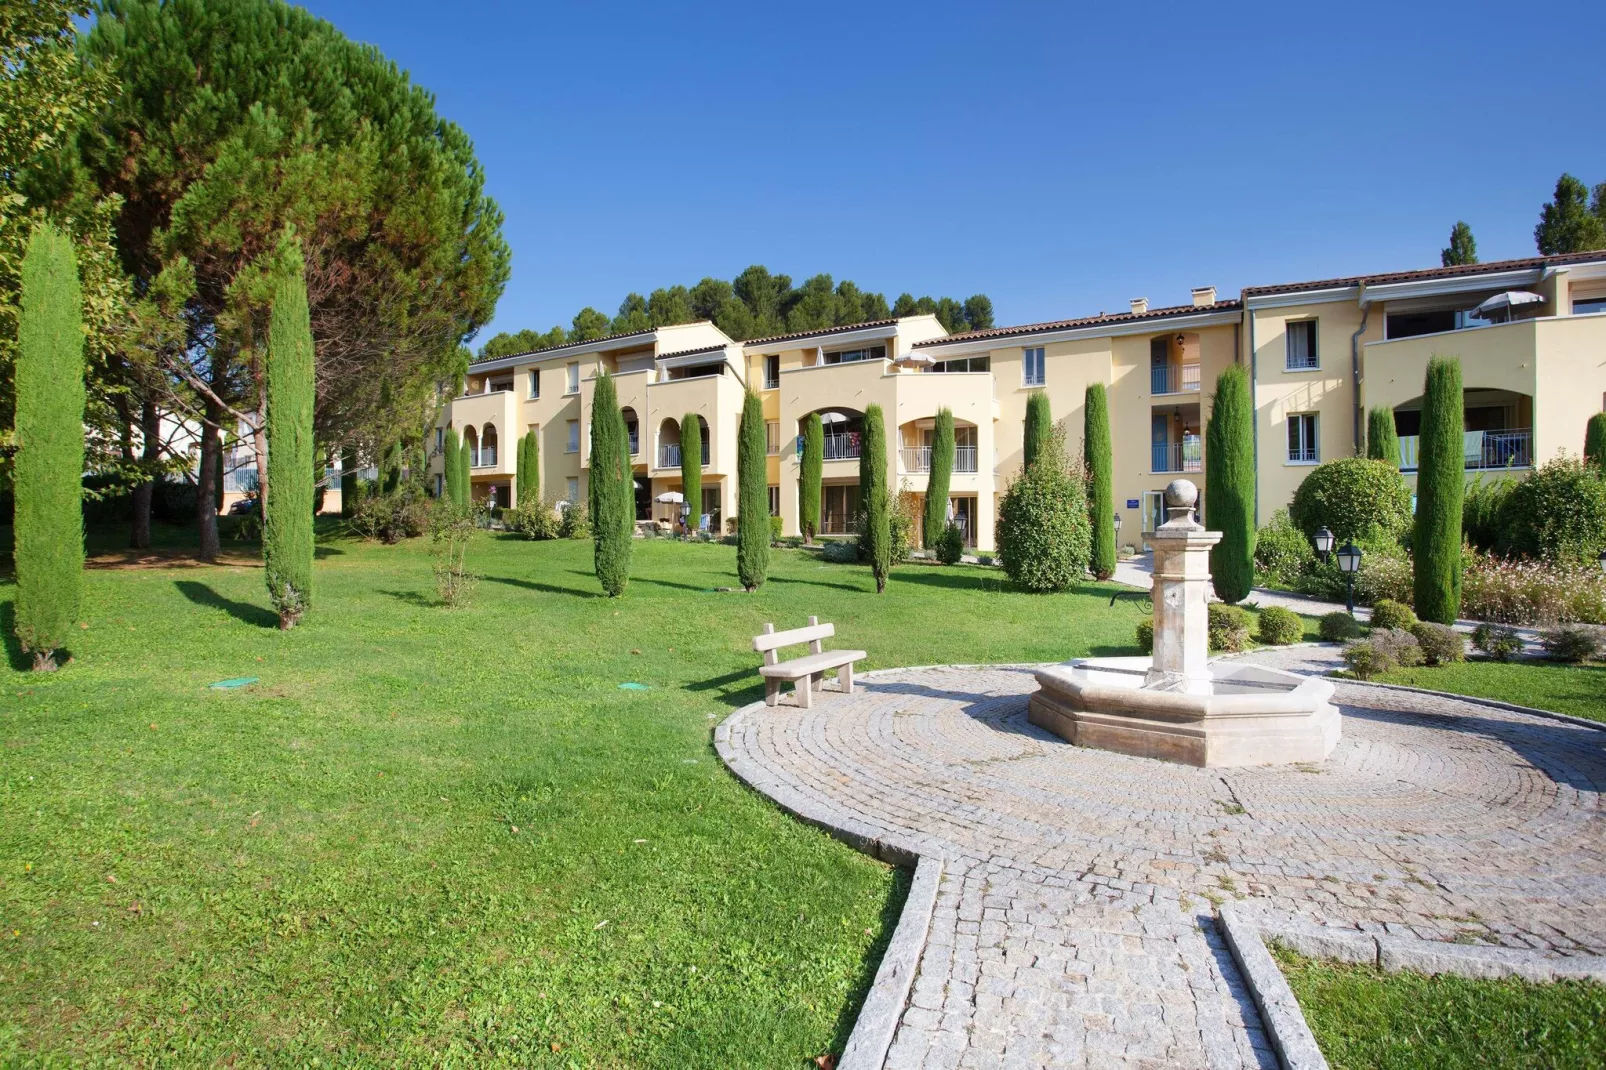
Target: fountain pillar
x=1181 y=595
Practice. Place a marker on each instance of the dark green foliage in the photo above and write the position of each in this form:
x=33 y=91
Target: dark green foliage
x=1352 y=497
x=390 y=478
x=465 y=481
x=942 y=470
x=1440 y=483
x=452 y=468
x=1039 y=427
x=1595 y=442
x=752 y=496
x=1145 y=636
x=1388 y=613
x=691 y=466
x=287 y=507
x=613 y=511
x=348 y=482
x=1229 y=627
x=574 y=522
x=1382 y=651
x=1462 y=249
x=1569 y=222
x=1440 y=644
x=1043 y=538
x=1337 y=627
x=529 y=473
x=809 y=476
x=876 y=538
x=1282 y=552
x=950 y=544
x=1279 y=626
x=390 y=518
x=1573 y=642
x=1100 y=458
x=1230 y=484
x=1501 y=642
x=1481 y=509
x=1558 y=513
x=49 y=522
x=1382 y=440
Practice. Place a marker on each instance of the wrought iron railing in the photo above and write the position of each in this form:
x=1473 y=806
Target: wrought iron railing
x=1174 y=378
x=1481 y=450
x=844 y=447
x=1184 y=456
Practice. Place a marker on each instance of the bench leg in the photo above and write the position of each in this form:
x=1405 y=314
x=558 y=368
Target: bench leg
x=844 y=678
x=805 y=692
x=772 y=691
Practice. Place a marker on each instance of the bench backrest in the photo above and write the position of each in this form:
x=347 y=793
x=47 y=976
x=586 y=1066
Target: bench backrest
x=771 y=640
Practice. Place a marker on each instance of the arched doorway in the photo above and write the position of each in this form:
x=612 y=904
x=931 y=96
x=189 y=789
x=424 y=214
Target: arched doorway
x=488 y=447
x=1498 y=429
x=471 y=442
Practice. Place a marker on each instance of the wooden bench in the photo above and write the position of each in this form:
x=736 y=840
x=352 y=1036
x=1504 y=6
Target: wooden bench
x=807 y=672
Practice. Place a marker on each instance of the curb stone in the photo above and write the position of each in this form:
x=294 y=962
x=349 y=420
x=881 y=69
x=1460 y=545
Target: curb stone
x=1279 y=1011
x=883 y=1007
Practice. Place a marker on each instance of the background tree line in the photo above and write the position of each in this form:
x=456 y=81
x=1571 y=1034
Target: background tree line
x=1572 y=221
x=755 y=304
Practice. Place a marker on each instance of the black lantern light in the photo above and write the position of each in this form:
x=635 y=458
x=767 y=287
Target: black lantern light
x=1118 y=535
x=1349 y=563
x=1324 y=541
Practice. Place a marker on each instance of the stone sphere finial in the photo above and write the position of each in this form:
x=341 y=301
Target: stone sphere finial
x=1181 y=494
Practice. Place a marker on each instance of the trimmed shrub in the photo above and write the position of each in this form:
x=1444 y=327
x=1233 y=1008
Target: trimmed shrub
x=1229 y=627
x=613 y=507
x=1039 y=431
x=1354 y=498
x=1282 y=553
x=575 y=522
x=391 y=518
x=1337 y=627
x=1595 y=442
x=840 y=551
x=1230 y=475
x=1279 y=626
x=1146 y=635
x=903 y=522
x=809 y=476
x=1401 y=647
x=775 y=529
x=542 y=521
x=1573 y=642
x=287 y=505
x=1440 y=643
x=691 y=466
x=1387 y=613
x=752 y=496
x=1481 y=509
x=1440 y=483
x=1043 y=537
x=876 y=535
x=49 y=466
x=942 y=468
x=1382 y=440
x=1526 y=591
x=1100 y=459
x=950 y=544
x=1500 y=642
x=1556 y=514
x=1363 y=660
x=1381 y=652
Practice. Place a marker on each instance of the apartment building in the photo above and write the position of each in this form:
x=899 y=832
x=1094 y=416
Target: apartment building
x=1320 y=353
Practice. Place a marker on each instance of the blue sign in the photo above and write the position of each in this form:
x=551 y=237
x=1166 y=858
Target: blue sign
x=1131 y=503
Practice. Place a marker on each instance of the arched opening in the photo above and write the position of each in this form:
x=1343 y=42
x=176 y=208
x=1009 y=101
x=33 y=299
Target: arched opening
x=1498 y=429
x=471 y=442
x=488 y=446
x=702 y=429
x=669 y=444
x=843 y=430
x=632 y=429
x=1174 y=363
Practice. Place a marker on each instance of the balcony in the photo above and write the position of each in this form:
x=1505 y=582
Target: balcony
x=918 y=458
x=1184 y=456
x=669 y=456
x=484 y=457
x=1174 y=379
x=1481 y=450
x=842 y=447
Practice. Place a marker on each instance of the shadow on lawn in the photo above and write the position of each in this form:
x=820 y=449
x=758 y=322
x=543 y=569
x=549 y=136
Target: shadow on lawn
x=866 y=589
x=891 y=911
x=544 y=588
x=244 y=612
x=658 y=583
x=927 y=576
x=8 y=624
x=736 y=689
x=412 y=598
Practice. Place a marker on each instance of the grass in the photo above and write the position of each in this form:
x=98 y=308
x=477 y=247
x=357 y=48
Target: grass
x=1579 y=690
x=448 y=837
x=1363 y=1017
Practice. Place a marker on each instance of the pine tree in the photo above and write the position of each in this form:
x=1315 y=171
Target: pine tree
x=1230 y=484
x=1382 y=441
x=1568 y=223
x=453 y=471
x=1462 y=248
x=691 y=466
x=612 y=494
x=1039 y=426
x=529 y=471
x=809 y=477
x=1440 y=486
x=876 y=538
x=1098 y=453
x=753 y=496
x=287 y=507
x=49 y=527
x=1595 y=442
x=941 y=477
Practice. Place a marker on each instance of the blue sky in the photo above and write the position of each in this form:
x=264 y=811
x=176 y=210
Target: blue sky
x=1060 y=160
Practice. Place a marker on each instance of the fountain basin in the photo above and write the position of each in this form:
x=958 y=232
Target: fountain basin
x=1237 y=715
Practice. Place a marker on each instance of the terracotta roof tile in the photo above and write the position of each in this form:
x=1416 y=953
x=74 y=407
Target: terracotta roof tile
x=1464 y=270
x=1084 y=321
x=821 y=331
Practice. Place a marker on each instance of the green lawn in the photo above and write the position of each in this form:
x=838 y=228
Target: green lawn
x=1579 y=690
x=1364 y=1018
x=448 y=837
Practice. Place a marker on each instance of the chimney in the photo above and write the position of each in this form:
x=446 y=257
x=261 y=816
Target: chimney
x=1140 y=305
x=1204 y=295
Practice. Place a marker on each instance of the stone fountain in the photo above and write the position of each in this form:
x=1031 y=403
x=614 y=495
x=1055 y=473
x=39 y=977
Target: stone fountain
x=1179 y=705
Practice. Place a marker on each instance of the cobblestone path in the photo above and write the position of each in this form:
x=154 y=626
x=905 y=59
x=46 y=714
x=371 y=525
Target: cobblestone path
x=1073 y=923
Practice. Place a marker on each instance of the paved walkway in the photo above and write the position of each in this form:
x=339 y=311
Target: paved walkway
x=1074 y=920
x=1139 y=572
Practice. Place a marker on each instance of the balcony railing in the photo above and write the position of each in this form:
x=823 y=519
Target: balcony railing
x=484 y=457
x=1174 y=379
x=635 y=443
x=1481 y=450
x=918 y=458
x=1184 y=456
x=842 y=447
x=669 y=456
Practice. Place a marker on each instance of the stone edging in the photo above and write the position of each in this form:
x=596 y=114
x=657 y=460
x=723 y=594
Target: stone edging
x=1279 y=1009
x=878 y=1019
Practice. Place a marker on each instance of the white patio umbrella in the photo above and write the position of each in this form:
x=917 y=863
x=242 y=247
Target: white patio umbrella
x=833 y=418
x=670 y=497
x=1502 y=306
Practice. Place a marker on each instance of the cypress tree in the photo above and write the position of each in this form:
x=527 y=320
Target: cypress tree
x=1440 y=486
x=449 y=465
x=465 y=478
x=1382 y=441
x=1595 y=442
x=809 y=477
x=942 y=469
x=1230 y=484
x=1039 y=426
x=49 y=531
x=753 y=496
x=1099 y=456
x=691 y=466
x=287 y=508
x=876 y=538
x=530 y=471
x=393 y=468
x=612 y=501
x=348 y=481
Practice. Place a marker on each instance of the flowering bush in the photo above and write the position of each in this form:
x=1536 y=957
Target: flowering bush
x=1530 y=591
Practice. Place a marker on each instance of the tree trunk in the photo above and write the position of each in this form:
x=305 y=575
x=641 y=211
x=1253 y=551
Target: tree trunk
x=150 y=430
x=207 y=479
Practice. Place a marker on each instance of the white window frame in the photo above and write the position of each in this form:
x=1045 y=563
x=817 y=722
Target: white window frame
x=535 y=384
x=1309 y=448
x=1029 y=356
x=775 y=499
x=571 y=384
x=772 y=383
x=1315 y=362
x=772 y=437
x=573 y=443
x=573 y=490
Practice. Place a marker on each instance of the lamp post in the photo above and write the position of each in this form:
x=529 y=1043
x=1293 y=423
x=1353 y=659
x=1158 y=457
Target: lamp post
x=1324 y=543
x=1118 y=538
x=1349 y=563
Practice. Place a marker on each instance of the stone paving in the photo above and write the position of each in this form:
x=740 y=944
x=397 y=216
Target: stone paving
x=1074 y=925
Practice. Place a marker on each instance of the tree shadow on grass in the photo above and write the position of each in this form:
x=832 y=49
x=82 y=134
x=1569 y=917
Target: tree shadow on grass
x=544 y=588
x=927 y=576
x=662 y=583
x=244 y=612
x=8 y=625
x=867 y=589
x=412 y=598
x=321 y=552
x=736 y=689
